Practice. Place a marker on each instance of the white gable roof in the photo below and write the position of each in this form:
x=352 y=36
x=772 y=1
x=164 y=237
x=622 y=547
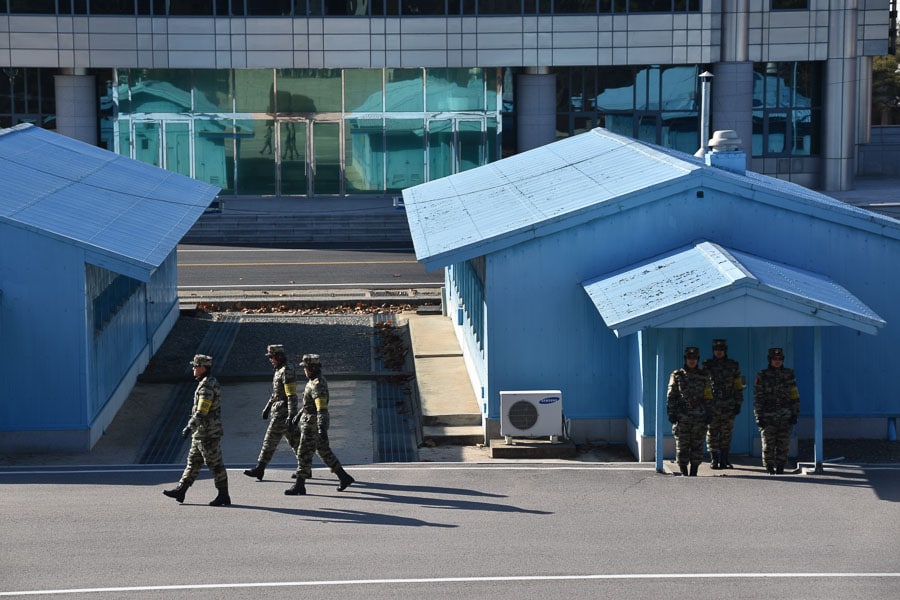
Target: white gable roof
x=705 y=285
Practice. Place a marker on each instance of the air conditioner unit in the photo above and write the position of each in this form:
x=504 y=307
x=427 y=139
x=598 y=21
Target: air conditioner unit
x=531 y=413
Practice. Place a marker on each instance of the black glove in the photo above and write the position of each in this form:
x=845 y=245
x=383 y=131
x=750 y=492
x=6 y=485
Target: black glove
x=266 y=412
x=673 y=419
x=294 y=423
x=760 y=423
x=186 y=432
x=794 y=420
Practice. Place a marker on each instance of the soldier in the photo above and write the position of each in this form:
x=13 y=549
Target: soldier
x=727 y=388
x=205 y=429
x=687 y=404
x=776 y=405
x=279 y=410
x=313 y=422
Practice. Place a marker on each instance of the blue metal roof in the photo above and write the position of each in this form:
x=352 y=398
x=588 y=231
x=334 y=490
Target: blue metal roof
x=705 y=285
x=577 y=179
x=128 y=215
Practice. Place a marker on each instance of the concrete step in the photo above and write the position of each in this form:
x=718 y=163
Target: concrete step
x=456 y=435
x=464 y=419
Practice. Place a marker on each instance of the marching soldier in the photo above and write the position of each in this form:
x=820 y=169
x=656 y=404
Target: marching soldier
x=313 y=422
x=205 y=429
x=727 y=388
x=279 y=410
x=776 y=406
x=687 y=405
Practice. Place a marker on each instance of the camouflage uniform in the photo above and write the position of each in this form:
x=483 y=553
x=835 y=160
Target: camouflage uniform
x=280 y=408
x=727 y=389
x=688 y=395
x=206 y=425
x=776 y=405
x=313 y=423
x=205 y=429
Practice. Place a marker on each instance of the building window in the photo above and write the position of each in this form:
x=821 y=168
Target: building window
x=304 y=132
x=27 y=96
x=654 y=103
x=787 y=109
x=790 y=4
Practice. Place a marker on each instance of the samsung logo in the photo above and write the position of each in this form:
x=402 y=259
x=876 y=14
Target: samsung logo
x=549 y=400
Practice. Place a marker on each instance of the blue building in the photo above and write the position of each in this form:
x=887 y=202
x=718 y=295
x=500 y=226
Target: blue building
x=88 y=282
x=587 y=265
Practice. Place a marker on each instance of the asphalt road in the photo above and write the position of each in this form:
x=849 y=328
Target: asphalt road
x=442 y=531
x=244 y=268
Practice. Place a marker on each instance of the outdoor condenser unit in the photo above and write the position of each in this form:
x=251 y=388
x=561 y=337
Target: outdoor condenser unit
x=531 y=413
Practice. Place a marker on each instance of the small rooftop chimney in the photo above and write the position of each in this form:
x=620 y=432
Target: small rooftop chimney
x=725 y=152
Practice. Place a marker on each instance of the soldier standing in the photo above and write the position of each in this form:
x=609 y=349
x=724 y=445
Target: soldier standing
x=687 y=405
x=776 y=405
x=727 y=388
x=313 y=422
x=279 y=410
x=205 y=429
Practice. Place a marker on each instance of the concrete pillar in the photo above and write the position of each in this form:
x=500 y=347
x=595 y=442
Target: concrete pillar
x=732 y=87
x=839 y=119
x=732 y=101
x=76 y=105
x=535 y=109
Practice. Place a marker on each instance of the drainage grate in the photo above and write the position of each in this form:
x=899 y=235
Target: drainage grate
x=394 y=420
x=165 y=445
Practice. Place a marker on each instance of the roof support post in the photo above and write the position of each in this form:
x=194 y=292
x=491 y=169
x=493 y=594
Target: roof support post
x=660 y=399
x=817 y=396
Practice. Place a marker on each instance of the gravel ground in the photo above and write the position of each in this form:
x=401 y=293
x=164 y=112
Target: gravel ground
x=344 y=341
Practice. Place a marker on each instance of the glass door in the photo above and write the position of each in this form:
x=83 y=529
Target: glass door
x=292 y=149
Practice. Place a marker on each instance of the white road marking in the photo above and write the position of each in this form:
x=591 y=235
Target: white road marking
x=441 y=580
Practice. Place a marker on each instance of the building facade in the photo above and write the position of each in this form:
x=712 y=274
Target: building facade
x=351 y=101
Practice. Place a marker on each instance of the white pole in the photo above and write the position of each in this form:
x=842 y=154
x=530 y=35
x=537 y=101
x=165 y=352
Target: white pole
x=705 y=78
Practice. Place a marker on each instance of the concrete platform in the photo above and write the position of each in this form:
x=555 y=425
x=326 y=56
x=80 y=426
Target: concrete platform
x=530 y=448
x=450 y=413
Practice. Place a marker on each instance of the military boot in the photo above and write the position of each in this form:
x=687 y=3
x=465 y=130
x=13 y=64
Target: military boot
x=178 y=492
x=723 y=460
x=223 y=499
x=684 y=468
x=298 y=489
x=714 y=459
x=770 y=468
x=346 y=480
x=258 y=471
x=694 y=468
x=779 y=469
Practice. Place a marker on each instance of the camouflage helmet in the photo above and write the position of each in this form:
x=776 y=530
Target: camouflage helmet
x=776 y=353
x=692 y=352
x=201 y=360
x=720 y=344
x=274 y=350
x=311 y=360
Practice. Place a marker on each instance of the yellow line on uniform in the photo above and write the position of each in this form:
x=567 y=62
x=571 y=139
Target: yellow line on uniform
x=301 y=264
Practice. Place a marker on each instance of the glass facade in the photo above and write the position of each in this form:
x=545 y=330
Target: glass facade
x=657 y=104
x=305 y=132
x=27 y=96
x=787 y=109
x=351 y=8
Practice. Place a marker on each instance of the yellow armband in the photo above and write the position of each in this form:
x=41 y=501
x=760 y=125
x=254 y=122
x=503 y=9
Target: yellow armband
x=321 y=403
x=290 y=388
x=793 y=393
x=204 y=403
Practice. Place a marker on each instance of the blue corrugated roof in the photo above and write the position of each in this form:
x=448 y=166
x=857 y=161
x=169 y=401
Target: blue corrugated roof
x=578 y=178
x=121 y=210
x=674 y=290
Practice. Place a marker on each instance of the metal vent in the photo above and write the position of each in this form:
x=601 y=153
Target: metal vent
x=522 y=415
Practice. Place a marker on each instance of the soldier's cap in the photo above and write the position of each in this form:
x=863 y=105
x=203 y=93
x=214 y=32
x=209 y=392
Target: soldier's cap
x=692 y=352
x=720 y=345
x=776 y=353
x=274 y=350
x=201 y=360
x=311 y=360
